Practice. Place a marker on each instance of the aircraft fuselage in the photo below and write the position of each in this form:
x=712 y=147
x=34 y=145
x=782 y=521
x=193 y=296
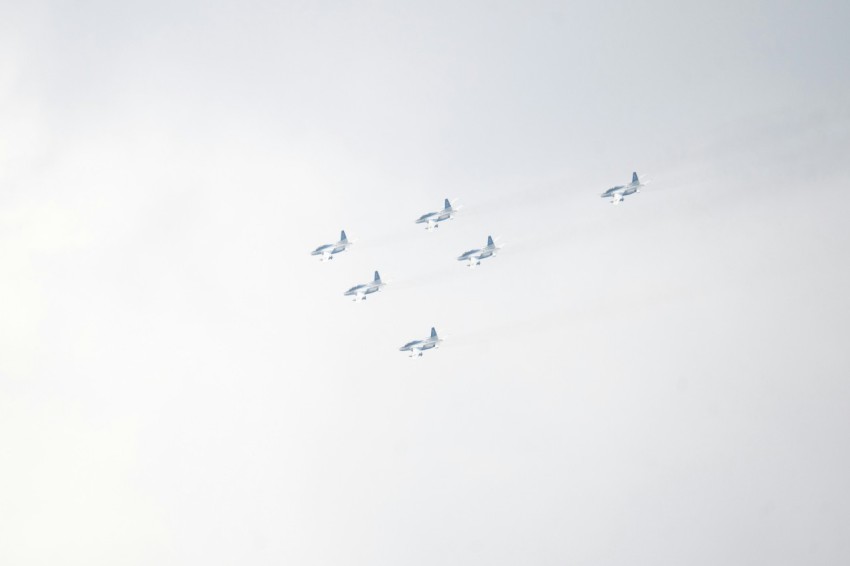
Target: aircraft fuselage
x=434 y=217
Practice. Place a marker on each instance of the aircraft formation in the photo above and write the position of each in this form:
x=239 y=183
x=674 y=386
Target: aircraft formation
x=473 y=257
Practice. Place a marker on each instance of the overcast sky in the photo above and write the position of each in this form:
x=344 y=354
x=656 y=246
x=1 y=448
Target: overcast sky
x=662 y=382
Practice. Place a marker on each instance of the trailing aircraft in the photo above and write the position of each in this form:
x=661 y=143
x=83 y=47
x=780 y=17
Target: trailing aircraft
x=417 y=347
x=360 y=292
x=474 y=257
x=432 y=219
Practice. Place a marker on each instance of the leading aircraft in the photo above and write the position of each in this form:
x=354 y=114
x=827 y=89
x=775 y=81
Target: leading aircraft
x=360 y=292
x=618 y=193
x=432 y=219
x=417 y=347
x=474 y=257
x=327 y=251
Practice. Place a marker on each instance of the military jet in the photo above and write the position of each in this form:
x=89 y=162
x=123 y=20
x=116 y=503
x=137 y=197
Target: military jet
x=432 y=219
x=417 y=347
x=327 y=251
x=360 y=292
x=618 y=193
x=474 y=257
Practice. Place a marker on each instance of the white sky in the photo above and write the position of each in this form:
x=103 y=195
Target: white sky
x=664 y=382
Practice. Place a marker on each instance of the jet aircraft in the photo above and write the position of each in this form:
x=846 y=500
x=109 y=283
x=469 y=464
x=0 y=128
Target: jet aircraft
x=417 y=347
x=360 y=292
x=618 y=193
x=474 y=257
x=432 y=219
x=327 y=251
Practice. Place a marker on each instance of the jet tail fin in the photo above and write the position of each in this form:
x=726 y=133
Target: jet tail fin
x=490 y=241
x=635 y=180
x=377 y=277
x=342 y=237
x=433 y=332
x=447 y=204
